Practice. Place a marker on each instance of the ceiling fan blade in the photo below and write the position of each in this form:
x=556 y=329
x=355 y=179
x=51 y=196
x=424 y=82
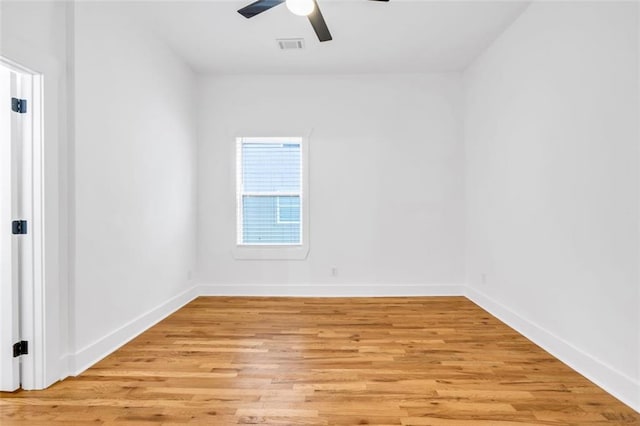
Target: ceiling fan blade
x=318 y=24
x=258 y=7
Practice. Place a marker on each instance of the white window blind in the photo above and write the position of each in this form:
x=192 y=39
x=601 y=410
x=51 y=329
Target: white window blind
x=269 y=191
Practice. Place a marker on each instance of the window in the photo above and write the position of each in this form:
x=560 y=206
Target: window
x=269 y=191
x=288 y=209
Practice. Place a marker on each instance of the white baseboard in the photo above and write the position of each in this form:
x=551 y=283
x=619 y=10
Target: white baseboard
x=608 y=378
x=331 y=290
x=91 y=354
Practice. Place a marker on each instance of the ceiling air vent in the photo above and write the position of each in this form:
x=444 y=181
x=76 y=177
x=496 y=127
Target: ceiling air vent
x=291 y=43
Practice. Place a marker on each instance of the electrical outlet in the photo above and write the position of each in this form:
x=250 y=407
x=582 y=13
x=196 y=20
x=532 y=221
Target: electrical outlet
x=334 y=271
x=483 y=278
x=189 y=275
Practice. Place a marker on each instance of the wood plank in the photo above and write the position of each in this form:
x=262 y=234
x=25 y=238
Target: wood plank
x=313 y=361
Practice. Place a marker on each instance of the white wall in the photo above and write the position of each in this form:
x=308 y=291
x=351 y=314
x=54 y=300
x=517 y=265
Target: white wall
x=551 y=134
x=44 y=48
x=135 y=146
x=386 y=178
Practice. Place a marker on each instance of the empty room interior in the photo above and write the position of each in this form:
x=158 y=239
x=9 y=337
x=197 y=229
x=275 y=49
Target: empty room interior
x=320 y=212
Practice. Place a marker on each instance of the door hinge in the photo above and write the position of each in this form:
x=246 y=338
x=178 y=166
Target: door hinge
x=19 y=105
x=19 y=227
x=20 y=348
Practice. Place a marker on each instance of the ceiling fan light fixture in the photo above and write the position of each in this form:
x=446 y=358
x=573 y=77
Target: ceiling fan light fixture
x=301 y=7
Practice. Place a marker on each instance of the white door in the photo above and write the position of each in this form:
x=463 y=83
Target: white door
x=15 y=205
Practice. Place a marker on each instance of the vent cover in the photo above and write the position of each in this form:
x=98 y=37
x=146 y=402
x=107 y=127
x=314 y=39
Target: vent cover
x=291 y=43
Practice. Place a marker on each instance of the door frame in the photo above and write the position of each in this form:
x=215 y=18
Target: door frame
x=32 y=306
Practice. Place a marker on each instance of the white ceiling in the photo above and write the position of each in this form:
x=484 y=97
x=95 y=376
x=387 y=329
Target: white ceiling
x=368 y=37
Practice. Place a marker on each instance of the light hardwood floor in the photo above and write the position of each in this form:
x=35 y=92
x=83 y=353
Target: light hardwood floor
x=294 y=361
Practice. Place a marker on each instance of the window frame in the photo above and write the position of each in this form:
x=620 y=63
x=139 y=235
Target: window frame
x=272 y=251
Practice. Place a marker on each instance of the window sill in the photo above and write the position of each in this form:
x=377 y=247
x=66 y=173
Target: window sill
x=270 y=252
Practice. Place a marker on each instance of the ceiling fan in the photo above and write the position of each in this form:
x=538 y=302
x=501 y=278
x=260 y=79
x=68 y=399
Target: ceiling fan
x=298 y=7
